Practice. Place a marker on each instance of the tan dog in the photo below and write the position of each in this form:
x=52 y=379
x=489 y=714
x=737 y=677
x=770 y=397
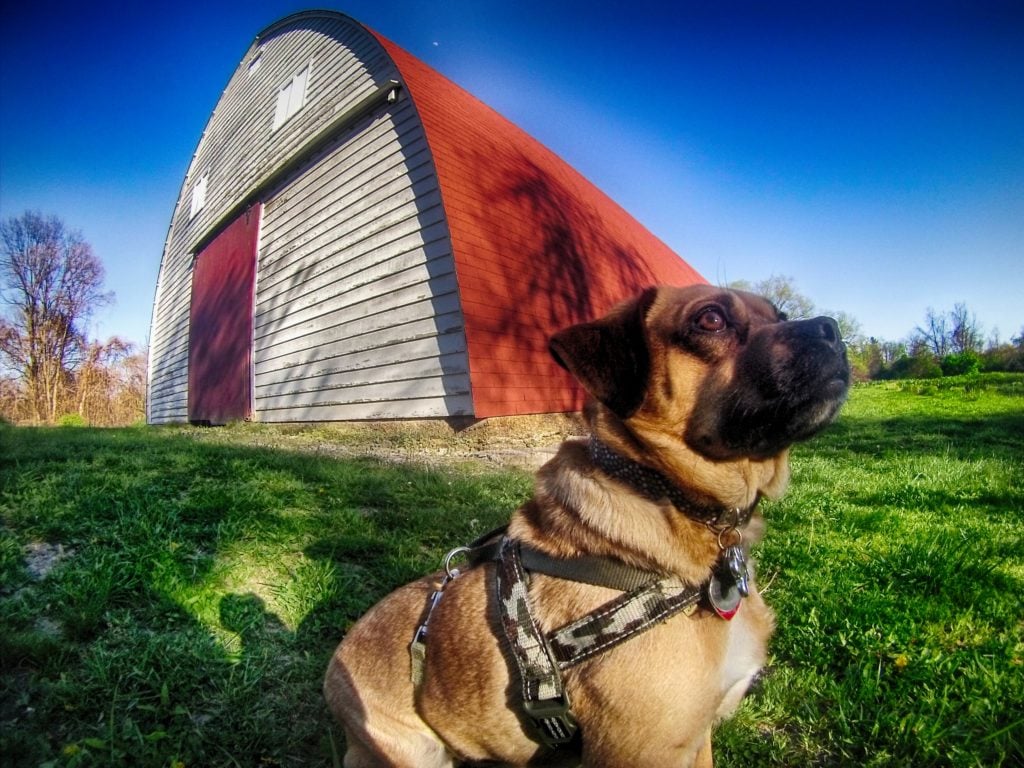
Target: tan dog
x=697 y=394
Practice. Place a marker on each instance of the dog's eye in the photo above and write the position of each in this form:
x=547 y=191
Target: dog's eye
x=711 y=320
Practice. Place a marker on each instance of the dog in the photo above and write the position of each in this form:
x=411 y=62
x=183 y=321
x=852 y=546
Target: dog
x=695 y=396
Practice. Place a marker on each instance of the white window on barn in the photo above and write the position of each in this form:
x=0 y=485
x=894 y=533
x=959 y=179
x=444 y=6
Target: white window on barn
x=255 y=62
x=198 y=196
x=290 y=97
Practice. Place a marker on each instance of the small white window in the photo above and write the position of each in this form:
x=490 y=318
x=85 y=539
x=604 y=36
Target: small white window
x=291 y=97
x=199 y=196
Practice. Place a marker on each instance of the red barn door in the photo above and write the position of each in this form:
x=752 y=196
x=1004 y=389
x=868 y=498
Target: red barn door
x=220 y=324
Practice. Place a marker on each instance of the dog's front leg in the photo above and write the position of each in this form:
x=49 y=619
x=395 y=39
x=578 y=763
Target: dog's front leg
x=704 y=758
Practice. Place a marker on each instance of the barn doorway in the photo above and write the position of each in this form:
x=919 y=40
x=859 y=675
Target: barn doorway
x=220 y=324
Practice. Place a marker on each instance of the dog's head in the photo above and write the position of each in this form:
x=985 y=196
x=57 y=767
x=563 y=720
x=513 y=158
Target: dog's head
x=719 y=371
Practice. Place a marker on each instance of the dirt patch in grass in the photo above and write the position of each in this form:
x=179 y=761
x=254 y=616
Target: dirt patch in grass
x=41 y=558
x=524 y=442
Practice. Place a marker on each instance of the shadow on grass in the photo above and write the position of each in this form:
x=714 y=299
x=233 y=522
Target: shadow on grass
x=207 y=586
x=996 y=434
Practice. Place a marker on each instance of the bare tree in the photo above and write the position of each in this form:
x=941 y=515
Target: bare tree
x=110 y=384
x=933 y=336
x=51 y=282
x=97 y=376
x=965 y=333
x=849 y=326
x=781 y=291
x=948 y=333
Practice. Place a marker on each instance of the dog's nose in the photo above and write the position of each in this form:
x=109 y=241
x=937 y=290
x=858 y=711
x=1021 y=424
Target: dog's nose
x=824 y=328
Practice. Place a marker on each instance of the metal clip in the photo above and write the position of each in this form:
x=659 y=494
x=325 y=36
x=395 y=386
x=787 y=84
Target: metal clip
x=727 y=523
x=418 y=647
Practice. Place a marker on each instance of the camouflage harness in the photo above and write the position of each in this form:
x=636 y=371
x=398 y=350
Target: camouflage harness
x=648 y=598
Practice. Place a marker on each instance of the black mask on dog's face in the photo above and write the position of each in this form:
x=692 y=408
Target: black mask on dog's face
x=790 y=379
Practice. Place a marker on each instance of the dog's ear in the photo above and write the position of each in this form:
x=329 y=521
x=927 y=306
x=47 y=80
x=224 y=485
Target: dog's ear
x=609 y=357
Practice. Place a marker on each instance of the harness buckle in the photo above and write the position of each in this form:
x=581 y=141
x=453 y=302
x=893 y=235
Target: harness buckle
x=553 y=720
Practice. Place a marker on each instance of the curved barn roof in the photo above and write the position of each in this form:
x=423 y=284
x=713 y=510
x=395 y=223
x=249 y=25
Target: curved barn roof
x=537 y=247
x=405 y=250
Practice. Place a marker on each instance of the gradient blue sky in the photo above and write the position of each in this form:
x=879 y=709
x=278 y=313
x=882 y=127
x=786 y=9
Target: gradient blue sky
x=873 y=151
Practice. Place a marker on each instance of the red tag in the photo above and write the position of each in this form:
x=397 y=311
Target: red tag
x=726 y=602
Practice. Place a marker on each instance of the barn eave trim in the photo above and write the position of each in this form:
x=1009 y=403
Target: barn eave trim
x=386 y=92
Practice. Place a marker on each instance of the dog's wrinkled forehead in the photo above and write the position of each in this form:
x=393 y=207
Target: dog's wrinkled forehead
x=757 y=307
x=678 y=308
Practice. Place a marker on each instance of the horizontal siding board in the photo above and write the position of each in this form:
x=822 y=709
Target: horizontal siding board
x=395 y=320
x=348 y=237
x=415 y=408
x=322 y=212
x=436 y=387
x=168 y=359
x=171 y=379
x=382 y=153
x=170 y=387
x=424 y=229
x=451 y=345
x=395 y=289
x=328 y=200
x=320 y=218
x=438 y=327
x=369 y=220
x=382 y=374
x=434 y=257
x=169 y=416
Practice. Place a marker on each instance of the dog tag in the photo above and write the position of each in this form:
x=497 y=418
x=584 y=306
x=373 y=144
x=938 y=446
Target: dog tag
x=724 y=595
x=736 y=560
x=729 y=585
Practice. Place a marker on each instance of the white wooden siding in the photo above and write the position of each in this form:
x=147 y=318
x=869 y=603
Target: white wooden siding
x=357 y=309
x=360 y=227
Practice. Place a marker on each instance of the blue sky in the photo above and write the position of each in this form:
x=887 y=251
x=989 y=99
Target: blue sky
x=873 y=151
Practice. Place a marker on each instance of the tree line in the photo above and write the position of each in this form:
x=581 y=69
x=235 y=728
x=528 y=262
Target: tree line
x=51 y=284
x=947 y=343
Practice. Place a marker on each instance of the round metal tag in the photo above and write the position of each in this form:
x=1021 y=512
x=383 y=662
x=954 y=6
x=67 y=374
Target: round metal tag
x=724 y=598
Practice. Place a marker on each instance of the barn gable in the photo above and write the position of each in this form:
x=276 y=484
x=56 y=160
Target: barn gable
x=414 y=252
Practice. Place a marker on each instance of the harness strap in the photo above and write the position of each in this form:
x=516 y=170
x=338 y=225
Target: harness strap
x=597 y=571
x=622 y=618
x=587 y=569
x=540 y=659
x=544 y=698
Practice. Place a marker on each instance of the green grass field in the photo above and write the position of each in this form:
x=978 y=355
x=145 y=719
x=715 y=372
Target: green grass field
x=169 y=597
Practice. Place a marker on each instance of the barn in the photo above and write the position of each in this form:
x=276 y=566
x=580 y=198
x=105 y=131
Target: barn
x=359 y=238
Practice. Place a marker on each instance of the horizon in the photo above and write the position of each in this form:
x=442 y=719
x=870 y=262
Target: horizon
x=874 y=154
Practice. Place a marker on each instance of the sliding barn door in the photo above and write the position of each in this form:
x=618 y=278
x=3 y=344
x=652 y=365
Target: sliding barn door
x=220 y=324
